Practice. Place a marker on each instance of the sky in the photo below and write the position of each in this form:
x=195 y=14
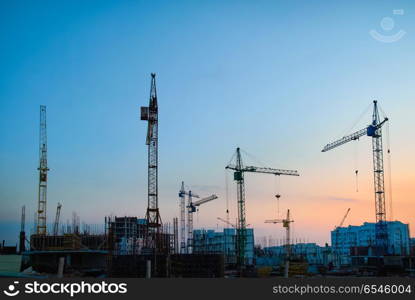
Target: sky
x=280 y=79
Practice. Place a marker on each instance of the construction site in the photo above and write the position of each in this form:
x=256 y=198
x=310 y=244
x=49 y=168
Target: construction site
x=142 y=245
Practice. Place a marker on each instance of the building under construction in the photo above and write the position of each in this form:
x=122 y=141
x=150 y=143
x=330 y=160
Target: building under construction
x=83 y=254
x=128 y=236
x=225 y=243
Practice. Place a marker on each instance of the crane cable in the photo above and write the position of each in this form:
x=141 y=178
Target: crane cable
x=227 y=197
x=356 y=165
x=253 y=157
x=358 y=119
x=347 y=131
x=277 y=193
x=389 y=171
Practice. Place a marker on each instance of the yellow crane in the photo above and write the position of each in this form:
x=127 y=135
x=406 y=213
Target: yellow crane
x=286 y=224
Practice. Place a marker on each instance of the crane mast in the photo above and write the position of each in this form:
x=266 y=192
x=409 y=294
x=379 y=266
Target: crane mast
x=379 y=180
x=43 y=174
x=189 y=224
x=374 y=130
x=150 y=114
x=182 y=196
x=238 y=176
x=241 y=237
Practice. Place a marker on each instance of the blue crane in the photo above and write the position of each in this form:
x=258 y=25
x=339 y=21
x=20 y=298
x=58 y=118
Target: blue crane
x=374 y=130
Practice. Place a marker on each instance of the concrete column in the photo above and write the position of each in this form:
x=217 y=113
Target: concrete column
x=148 y=269
x=287 y=268
x=61 y=265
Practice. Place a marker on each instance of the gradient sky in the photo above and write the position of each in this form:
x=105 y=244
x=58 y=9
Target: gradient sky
x=280 y=79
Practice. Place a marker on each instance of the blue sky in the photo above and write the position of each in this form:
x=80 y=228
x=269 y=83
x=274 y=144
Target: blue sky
x=278 y=78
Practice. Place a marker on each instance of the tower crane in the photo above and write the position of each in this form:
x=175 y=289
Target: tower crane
x=374 y=130
x=286 y=224
x=57 y=216
x=43 y=174
x=182 y=196
x=191 y=208
x=238 y=176
x=337 y=231
x=150 y=114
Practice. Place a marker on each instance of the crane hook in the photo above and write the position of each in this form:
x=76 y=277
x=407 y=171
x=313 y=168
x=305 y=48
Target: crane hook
x=357 y=182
